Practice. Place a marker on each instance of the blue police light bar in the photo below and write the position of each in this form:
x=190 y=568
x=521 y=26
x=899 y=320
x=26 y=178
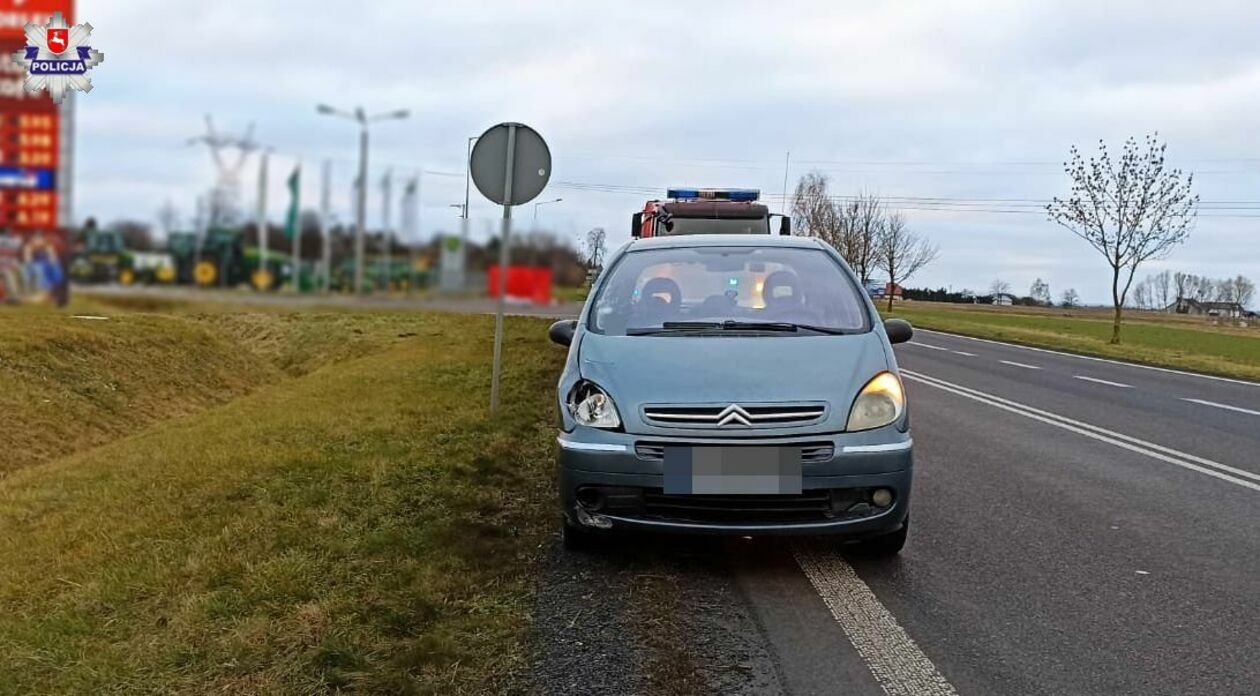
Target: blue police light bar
x=741 y=195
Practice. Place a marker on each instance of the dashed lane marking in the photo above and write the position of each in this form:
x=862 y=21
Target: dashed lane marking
x=1026 y=366
x=1224 y=472
x=1107 y=382
x=1227 y=407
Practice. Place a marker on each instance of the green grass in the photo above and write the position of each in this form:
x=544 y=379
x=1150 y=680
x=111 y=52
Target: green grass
x=569 y=294
x=329 y=508
x=1148 y=339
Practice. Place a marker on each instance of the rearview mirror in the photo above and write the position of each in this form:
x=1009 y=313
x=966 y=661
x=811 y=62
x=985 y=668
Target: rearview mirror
x=562 y=331
x=898 y=330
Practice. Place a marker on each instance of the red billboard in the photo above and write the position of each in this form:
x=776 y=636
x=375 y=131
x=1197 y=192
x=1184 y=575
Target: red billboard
x=524 y=284
x=35 y=154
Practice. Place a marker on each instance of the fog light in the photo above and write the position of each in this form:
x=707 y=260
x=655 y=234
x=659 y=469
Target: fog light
x=882 y=497
x=590 y=498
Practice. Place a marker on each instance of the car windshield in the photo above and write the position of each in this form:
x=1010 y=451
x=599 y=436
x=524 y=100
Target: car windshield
x=689 y=290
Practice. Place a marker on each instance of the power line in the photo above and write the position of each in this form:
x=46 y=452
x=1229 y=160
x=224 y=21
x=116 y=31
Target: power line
x=1001 y=206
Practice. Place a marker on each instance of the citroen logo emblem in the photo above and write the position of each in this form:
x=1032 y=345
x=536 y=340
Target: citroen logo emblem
x=734 y=415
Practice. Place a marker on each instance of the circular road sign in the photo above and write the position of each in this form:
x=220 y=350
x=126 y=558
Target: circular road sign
x=531 y=164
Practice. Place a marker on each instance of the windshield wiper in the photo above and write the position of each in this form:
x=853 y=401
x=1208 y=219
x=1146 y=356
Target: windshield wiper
x=777 y=326
x=732 y=325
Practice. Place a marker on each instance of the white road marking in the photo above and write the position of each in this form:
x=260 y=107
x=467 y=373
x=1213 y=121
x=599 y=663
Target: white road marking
x=960 y=352
x=894 y=659
x=1026 y=366
x=1133 y=444
x=1103 y=381
x=1093 y=358
x=929 y=346
x=1227 y=407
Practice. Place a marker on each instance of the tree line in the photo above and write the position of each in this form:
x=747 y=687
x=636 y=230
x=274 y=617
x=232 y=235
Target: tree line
x=1171 y=289
x=869 y=236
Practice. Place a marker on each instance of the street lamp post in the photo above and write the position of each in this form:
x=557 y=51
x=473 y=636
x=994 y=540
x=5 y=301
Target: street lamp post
x=557 y=200
x=468 y=172
x=360 y=209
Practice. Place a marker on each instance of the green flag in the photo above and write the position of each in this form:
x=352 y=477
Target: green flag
x=291 y=220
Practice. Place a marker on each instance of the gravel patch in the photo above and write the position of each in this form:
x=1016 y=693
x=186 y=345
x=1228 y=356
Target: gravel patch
x=646 y=615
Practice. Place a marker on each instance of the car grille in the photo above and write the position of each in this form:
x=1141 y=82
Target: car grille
x=811 y=452
x=735 y=415
x=809 y=506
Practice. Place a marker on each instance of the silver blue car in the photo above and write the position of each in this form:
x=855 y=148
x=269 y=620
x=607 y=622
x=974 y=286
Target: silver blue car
x=733 y=384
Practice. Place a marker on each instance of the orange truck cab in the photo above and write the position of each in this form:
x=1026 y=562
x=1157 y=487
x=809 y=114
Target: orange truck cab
x=707 y=211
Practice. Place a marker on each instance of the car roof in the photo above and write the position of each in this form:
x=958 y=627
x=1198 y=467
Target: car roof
x=711 y=240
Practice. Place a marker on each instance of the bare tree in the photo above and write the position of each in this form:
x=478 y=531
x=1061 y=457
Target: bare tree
x=1070 y=298
x=864 y=220
x=1183 y=286
x=136 y=235
x=1142 y=294
x=1161 y=285
x=1040 y=291
x=596 y=247
x=901 y=253
x=1204 y=289
x=815 y=214
x=999 y=287
x=1130 y=212
x=1245 y=290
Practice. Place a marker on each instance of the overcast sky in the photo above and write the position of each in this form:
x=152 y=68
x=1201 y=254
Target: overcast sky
x=959 y=101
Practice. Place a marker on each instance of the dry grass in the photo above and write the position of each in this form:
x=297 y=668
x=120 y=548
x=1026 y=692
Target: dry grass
x=1147 y=337
x=353 y=521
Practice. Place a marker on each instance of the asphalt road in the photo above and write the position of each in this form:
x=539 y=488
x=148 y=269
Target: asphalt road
x=1080 y=526
x=1115 y=555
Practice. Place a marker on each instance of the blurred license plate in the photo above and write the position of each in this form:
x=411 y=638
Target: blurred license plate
x=732 y=470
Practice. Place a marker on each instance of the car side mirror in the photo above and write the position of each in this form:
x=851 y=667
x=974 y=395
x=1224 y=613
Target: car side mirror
x=562 y=331
x=785 y=226
x=636 y=225
x=898 y=330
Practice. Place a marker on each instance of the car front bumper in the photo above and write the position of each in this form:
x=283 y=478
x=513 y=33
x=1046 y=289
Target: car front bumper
x=630 y=479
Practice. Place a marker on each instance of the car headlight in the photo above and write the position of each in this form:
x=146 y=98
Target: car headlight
x=591 y=406
x=881 y=401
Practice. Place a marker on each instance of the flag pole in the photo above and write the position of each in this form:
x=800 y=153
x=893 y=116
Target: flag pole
x=295 y=215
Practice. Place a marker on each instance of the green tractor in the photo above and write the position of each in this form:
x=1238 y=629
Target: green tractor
x=225 y=261
x=104 y=258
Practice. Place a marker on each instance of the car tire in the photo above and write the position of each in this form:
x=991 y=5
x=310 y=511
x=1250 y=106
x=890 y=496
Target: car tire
x=577 y=539
x=885 y=545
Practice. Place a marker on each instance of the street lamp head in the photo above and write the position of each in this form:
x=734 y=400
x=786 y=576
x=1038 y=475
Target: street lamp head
x=325 y=109
x=401 y=113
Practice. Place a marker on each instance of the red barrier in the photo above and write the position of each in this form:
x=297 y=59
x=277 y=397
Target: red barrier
x=524 y=283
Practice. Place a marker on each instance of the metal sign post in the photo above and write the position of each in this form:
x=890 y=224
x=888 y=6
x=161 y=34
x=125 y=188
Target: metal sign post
x=510 y=165
x=504 y=258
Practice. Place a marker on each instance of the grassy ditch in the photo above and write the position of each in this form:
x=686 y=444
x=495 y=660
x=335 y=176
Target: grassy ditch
x=281 y=503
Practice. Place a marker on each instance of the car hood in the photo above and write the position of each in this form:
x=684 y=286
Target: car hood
x=659 y=370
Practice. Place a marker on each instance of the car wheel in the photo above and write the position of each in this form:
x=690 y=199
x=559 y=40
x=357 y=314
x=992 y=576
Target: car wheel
x=886 y=545
x=578 y=539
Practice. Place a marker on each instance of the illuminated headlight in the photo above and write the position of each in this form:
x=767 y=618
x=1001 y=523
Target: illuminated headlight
x=880 y=402
x=591 y=406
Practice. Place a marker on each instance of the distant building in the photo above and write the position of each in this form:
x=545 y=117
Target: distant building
x=880 y=290
x=1222 y=310
x=1004 y=299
